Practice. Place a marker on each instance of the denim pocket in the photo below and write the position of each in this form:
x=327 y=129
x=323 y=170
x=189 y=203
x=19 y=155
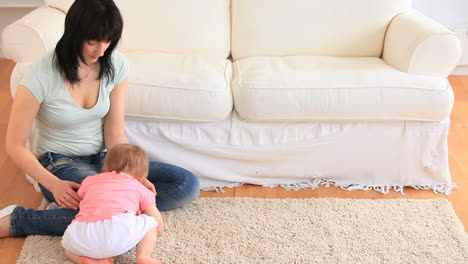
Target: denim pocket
x=70 y=168
x=56 y=164
x=51 y=161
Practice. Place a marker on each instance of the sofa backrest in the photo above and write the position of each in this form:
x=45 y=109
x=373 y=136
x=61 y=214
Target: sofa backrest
x=349 y=28
x=176 y=26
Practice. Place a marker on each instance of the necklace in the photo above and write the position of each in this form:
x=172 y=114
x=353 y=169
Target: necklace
x=90 y=71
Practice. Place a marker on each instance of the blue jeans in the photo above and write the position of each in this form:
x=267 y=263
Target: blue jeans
x=175 y=187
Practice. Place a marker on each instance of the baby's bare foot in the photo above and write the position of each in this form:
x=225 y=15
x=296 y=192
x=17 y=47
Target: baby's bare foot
x=86 y=260
x=147 y=260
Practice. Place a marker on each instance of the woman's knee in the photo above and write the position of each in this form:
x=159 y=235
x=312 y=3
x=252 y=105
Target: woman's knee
x=167 y=177
x=193 y=185
x=175 y=186
x=190 y=187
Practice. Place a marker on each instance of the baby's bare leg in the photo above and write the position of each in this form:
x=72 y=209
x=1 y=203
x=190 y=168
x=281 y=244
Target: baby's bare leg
x=85 y=260
x=5 y=230
x=72 y=256
x=145 y=248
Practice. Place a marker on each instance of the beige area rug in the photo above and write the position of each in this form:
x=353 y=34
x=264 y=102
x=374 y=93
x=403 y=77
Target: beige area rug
x=248 y=230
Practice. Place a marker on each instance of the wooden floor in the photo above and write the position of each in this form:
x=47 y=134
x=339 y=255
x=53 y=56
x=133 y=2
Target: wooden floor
x=15 y=189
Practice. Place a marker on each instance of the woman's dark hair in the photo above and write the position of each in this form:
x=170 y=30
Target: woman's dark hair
x=97 y=20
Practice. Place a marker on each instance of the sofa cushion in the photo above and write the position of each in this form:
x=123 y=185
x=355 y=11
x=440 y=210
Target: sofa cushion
x=330 y=88
x=311 y=27
x=176 y=86
x=176 y=26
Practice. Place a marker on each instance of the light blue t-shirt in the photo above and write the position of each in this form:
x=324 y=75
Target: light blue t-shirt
x=62 y=126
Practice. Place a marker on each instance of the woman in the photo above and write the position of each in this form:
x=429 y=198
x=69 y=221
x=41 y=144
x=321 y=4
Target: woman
x=76 y=94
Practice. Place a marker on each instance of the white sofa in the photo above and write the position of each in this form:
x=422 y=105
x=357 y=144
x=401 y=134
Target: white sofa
x=294 y=93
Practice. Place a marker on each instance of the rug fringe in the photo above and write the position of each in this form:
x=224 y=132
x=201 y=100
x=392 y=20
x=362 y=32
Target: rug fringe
x=315 y=183
x=221 y=188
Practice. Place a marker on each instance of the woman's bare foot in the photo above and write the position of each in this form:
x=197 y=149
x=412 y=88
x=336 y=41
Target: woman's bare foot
x=147 y=260
x=5 y=230
x=86 y=260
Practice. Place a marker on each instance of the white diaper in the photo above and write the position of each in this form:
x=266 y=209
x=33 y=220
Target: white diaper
x=107 y=238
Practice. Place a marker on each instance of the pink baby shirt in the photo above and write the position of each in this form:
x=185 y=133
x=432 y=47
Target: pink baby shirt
x=108 y=194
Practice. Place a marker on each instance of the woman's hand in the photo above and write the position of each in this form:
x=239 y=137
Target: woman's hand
x=65 y=194
x=149 y=185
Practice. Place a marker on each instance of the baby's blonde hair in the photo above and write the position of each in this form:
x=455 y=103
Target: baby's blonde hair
x=129 y=159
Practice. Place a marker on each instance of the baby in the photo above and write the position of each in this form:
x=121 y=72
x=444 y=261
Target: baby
x=116 y=213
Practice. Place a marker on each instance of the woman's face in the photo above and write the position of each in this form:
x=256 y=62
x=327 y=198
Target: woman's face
x=93 y=50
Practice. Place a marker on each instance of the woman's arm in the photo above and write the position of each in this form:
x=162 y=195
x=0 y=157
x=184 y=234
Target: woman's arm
x=23 y=112
x=114 y=132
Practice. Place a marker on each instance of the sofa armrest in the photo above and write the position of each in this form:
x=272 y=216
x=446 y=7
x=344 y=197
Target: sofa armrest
x=62 y=5
x=33 y=35
x=417 y=44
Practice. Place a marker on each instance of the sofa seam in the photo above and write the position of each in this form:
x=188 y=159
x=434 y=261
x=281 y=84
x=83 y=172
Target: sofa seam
x=173 y=118
x=347 y=88
x=226 y=81
x=239 y=73
x=182 y=88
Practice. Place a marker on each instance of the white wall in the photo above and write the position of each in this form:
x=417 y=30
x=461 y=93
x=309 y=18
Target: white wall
x=453 y=14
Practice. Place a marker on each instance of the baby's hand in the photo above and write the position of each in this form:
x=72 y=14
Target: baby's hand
x=149 y=185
